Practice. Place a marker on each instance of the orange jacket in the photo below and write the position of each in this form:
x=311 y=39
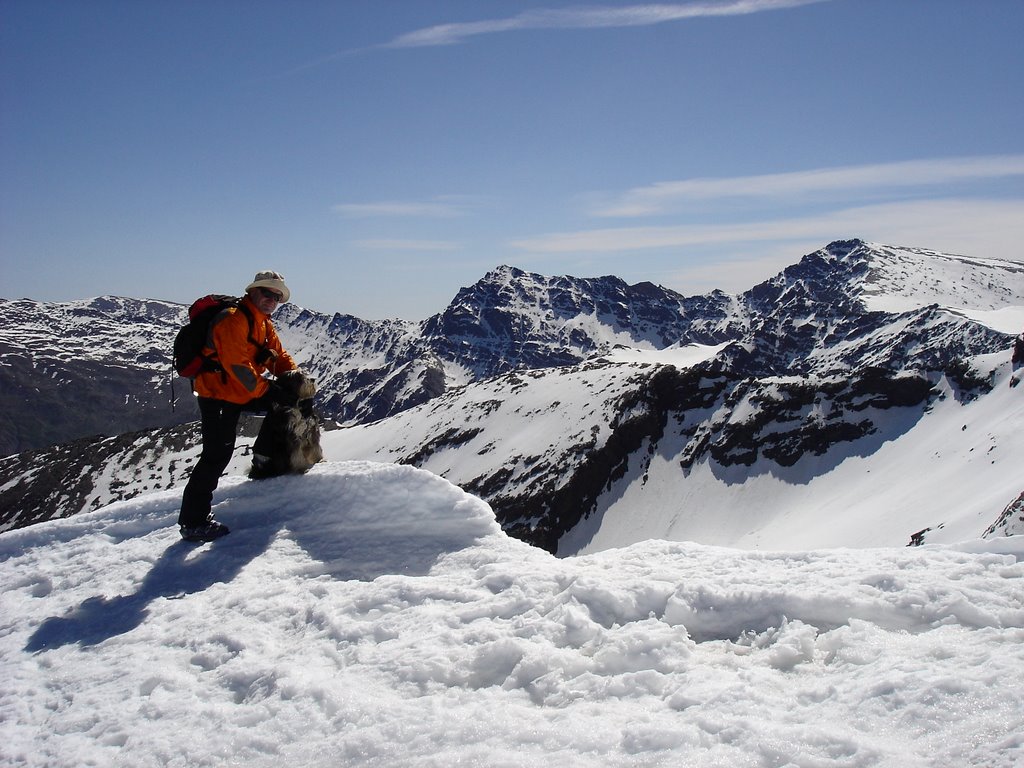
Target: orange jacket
x=241 y=379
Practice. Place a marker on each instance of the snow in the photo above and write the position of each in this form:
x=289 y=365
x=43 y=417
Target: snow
x=374 y=615
x=1008 y=320
x=681 y=356
x=905 y=279
x=952 y=470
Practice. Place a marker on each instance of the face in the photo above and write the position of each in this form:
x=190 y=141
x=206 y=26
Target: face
x=265 y=299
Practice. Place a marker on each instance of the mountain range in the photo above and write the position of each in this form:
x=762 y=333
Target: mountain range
x=858 y=397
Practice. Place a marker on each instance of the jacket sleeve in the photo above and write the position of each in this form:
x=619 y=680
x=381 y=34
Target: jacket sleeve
x=282 y=361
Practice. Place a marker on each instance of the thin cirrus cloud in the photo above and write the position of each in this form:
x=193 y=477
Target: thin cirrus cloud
x=588 y=18
x=991 y=228
x=642 y=15
x=662 y=197
x=406 y=245
x=432 y=209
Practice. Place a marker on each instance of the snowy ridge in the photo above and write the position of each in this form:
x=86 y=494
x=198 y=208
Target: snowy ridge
x=375 y=615
x=514 y=439
x=813 y=317
x=903 y=279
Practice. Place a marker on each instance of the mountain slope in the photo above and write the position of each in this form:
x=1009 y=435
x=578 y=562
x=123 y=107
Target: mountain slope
x=76 y=369
x=102 y=367
x=606 y=454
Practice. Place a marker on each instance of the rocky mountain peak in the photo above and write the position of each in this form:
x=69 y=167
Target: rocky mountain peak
x=512 y=319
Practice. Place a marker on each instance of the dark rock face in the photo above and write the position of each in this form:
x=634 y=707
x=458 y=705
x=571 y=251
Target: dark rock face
x=1010 y=522
x=793 y=418
x=514 y=320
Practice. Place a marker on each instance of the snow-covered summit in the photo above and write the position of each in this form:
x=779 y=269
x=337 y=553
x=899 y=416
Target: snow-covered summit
x=883 y=278
x=902 y=279
x=374 y=615
x=854 y=304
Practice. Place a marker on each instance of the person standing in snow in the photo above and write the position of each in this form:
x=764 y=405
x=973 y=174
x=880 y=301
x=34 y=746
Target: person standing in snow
x=1017 y=360
x=245 y=346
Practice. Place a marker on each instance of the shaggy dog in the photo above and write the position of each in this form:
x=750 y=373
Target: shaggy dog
x=293 y=432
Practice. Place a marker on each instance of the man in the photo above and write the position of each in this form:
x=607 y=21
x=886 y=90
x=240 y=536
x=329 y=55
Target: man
x=242 y=345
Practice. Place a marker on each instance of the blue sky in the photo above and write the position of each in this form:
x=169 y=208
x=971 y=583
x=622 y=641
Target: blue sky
x=384 y=153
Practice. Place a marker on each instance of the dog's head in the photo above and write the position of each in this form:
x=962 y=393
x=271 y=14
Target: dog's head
x=298 y=383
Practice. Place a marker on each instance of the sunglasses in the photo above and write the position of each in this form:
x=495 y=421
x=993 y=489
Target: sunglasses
x=269 y=294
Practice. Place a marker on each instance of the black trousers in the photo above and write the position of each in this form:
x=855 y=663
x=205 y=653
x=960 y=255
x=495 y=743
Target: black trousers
x=219 y=430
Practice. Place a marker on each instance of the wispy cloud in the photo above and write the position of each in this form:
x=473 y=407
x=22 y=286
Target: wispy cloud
x=642 y=15
x=407 y=245
x=662 y=197
x=437 y=208
x=984 y=228
x=588 y=18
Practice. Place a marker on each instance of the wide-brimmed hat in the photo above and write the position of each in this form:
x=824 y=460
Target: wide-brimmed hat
x=272 y=280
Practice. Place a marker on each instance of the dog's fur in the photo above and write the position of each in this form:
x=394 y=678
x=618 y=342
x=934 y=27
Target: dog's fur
x=294 y=438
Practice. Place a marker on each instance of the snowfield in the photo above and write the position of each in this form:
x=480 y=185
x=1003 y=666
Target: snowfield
x=950 y=470
x=375 y=615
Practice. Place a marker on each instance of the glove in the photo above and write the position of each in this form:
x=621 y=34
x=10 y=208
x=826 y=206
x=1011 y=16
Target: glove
x=265 y=357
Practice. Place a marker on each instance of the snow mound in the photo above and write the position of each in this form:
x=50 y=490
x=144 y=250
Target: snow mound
x=374 y=615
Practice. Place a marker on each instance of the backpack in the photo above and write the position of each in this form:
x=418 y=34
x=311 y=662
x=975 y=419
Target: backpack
x=189 y=360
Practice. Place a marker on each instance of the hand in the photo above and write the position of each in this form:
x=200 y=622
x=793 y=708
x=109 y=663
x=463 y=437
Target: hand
x=265 y=357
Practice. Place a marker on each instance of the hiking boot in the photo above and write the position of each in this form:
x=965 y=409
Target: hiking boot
x=207 y=531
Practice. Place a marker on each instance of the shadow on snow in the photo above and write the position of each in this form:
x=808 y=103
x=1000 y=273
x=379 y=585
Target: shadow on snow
x=335 y=524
